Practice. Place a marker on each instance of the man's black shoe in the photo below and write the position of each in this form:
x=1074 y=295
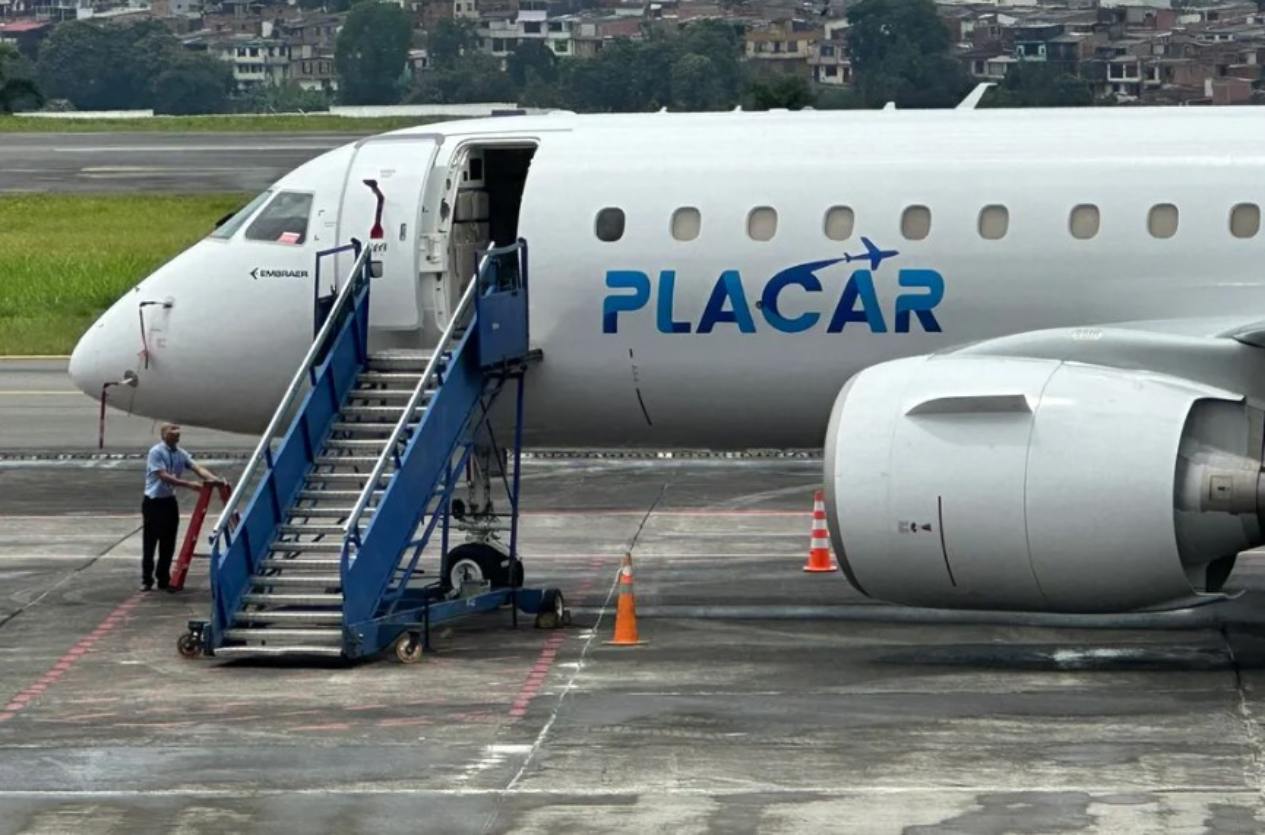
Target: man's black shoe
x=147 y=587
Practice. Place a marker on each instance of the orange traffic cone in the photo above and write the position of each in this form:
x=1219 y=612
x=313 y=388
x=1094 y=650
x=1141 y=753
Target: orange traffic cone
x=819 y=546
x=626 y=609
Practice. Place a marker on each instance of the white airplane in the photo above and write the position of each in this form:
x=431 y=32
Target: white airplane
x=1047 y=393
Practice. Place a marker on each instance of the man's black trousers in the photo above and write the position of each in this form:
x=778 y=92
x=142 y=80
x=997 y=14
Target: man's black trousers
x=161 y=518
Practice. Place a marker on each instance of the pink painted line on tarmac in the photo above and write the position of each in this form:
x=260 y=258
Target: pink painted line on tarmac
x=62 y=665
x=535 y=677
x=333 y=726
x=402 y=722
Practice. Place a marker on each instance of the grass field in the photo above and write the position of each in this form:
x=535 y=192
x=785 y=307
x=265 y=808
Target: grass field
x=314 y=123
x=66 y=258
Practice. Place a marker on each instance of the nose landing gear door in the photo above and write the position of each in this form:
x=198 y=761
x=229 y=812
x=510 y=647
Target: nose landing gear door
x=382 y=206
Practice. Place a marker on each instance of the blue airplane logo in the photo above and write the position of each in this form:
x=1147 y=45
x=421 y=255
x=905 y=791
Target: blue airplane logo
x=872 y=254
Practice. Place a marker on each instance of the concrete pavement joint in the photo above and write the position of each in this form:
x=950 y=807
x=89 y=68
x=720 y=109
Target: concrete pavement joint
x=610 y=593
x=1256 y=759
x=69 y=575
x=553 y=717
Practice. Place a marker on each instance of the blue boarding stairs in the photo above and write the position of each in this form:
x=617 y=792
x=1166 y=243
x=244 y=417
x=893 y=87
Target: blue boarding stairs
x=326 y=557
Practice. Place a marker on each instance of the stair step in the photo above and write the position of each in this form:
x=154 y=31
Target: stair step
x=329 y=496
x=375 y=444
x=357 y=478
x=293 y=599
x=321 y=512
x=380 y=428
x=319 y=580
x=387 y=377
x=283 y=564
x=380 y=394
x=307 y=547
x=398 y=361
x=288 y=649
x=292 y=616
x=347 y=460
x=311 y=530
x=377 y=413
x=315 y=636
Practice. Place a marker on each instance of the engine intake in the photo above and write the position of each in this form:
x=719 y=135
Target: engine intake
x=1013 y=483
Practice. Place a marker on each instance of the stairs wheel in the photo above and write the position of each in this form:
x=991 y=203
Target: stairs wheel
x=553 y=613
x=189 y=645
x=479 y=561
x=408 y=648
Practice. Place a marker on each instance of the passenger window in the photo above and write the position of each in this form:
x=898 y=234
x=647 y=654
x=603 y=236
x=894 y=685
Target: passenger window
x=686 y=223
x=284 y=220
x=228 y=225
x=839 y=223
x=762 y=223
x=915 y=223
x=994 y=221
x=1083 y=221
x=1245 y=220
x=610 y=224
x=1161 y=221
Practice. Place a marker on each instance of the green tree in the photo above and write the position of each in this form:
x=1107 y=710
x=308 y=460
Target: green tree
x=608 y=82
x=835 y=98
x=900 y=52
x=17 y=83
x=106 y=67
x=721 y=44
x=371 y=52
x=531 y=59
x=451 y=39
x=1033 y=84
x=77 y=62
x=193 y=84
x=695 y=83
x=783 y=90
x=285 y=98
x=474 y=77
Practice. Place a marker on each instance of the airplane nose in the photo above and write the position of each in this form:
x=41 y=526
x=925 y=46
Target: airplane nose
x=85 y=364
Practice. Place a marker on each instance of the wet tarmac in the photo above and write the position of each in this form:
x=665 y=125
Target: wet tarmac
x=43 y=414
x=765 y=699
x=156 y=162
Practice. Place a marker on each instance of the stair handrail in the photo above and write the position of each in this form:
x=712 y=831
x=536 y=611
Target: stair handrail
x=352 y=526
x=345 y=294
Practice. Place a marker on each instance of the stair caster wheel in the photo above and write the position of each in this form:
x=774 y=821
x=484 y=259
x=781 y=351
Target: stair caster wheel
x=408 y=648
x=553 y=612
x=189 y=645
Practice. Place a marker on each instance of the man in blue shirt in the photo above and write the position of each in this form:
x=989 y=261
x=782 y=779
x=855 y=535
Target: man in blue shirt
x=164 y=467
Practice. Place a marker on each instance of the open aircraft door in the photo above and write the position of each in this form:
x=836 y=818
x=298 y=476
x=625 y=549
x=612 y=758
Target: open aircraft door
x=383 y=204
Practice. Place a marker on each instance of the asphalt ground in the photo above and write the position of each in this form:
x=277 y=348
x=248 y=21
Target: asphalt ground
x=42 y=413
x=764 y=699
x=147 y=162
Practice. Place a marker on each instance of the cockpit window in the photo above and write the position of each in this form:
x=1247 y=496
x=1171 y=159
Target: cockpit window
x=229 y=224
x=284 y=220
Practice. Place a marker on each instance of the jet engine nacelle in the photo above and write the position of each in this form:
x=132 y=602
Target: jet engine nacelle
x=1012 y=483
